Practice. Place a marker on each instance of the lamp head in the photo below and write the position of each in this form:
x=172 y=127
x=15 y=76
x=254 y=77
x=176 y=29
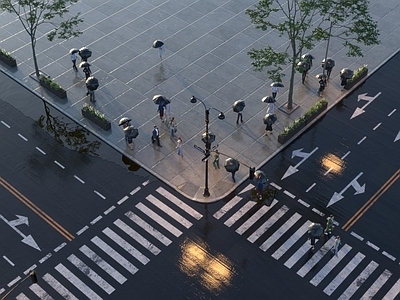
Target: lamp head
x=193 y=99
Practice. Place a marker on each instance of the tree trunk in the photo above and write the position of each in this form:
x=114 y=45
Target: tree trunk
x=291 y=85
x=33 y=44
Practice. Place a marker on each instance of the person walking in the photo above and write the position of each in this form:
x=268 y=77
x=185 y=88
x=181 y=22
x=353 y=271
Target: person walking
x=172 y=128
x=329 y=226
x=161 y=50
x=233 y=176
x=216 y=159
x=269 y=121
x=87 y=72
x=156 y=136
x=321 y=86
x=271 y=106
x=239 y=117
x=73 y=59
x=274 y=91
x=179 y=147
x=168 y=110
x=335 y=248
x=160 y=110
x=343 y=81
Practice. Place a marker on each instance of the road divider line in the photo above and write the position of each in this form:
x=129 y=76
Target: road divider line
x=371 y=201
x=22 y=137
x=5 y=124
x=40 y=150
x=376 y=127
x=362 y=140
x=391 y=113
x=64 y=232
x=80 y=180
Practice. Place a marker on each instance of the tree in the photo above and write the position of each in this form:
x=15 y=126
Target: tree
x=33 y=13
x=303 y=23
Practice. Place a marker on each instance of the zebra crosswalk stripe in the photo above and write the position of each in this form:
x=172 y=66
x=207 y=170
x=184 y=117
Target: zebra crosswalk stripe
x=149 y=229
x=182 y=205
x=267 y=224
x=91 y=274
x=173 y=214
x=297 y=255
x=236 y=216
x=40 y=292
x=126 y=246
x=137 y=237
x=278 y=233
x=57 y=286
x=291 y=241
x=375 y=287
x=228 y=206
x=330 y=265
x=22 y=296
x=254 y=218
x=332 y=286
x=79 y=284
x=103 y=264
x=316 y=257
x=393 y=292
x=160 y=220
x=114 y=255
x=354 y=286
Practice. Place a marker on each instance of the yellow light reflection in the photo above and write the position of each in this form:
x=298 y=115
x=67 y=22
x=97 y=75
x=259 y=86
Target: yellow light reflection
x=214 y=272
x=333 y=164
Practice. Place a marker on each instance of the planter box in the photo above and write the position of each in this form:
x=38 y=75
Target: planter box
x=90 y=117
x=349 y=85
x=61 y=94
x=11 y=62
x=284 y=138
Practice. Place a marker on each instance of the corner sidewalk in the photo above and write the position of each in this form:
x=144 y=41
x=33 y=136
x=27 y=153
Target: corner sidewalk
x=206 y=56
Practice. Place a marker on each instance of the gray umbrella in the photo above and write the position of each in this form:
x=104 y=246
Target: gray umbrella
x=238 y=106
x=277 y=84
x=157 y=44
x=73 y=50
x=346 y=73
x=160 y=99
x=231 y=165
x=315 y=230
x=124 y=121
x=92 y=83
x=330 y=63
x=321 y=76
x=260 y=177
x=268 y=99
x=307 y=56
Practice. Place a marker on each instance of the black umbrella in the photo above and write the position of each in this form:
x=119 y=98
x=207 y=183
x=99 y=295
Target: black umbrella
x=315 y=230
x=268 y=99
x=260 y=177
x=92 y=83
x=321 y=76
x=238 y=106
x=84 y=64
x=231 y=165
x=303 y=66
x=160 y=99
x=269 y=119
x=346 y=73
x=123 y=121
x=157 y=44
x=330 y=63
x=73 y=50
x=131 y=131
x=307 y=56
x=85 y=53
x=277 y=84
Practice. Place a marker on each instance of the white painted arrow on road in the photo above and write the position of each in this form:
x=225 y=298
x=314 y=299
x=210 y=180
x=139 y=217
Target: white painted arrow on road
x=291 y=170
x=354 y=183
x=369 y=100
x=397 y=137
x=27 y=239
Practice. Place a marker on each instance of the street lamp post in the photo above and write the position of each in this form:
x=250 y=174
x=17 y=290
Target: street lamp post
x=207 y=140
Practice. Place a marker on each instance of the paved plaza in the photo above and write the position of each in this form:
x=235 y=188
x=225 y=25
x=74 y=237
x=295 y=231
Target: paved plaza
x=206 y=45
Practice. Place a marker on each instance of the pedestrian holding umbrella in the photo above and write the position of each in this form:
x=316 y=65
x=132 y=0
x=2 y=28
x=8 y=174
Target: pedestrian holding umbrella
x=86 y=69
x=157 y=44
x=260 y=179
x=124 y=122
x=345 y=74
x=330 y=63
x=232 y=166
x=91 y=84
x=238 y=107
x=308 y=58
x=85 y=53
x=315 y=230
x=303 y=67
x=73 y=52
x=130 y=134
x=160 y=99
x=269 y=119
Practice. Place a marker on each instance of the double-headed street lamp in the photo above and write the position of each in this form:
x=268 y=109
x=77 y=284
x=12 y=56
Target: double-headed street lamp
x=207 y=138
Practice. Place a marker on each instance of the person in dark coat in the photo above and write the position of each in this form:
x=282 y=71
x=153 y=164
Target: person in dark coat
x=343 y=82
x=321 y=86
x=87 y=72
x=155 y=137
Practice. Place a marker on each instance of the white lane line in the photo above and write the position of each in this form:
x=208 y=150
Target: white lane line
x=318 y=212
x=58 y=287
x=82 y=230
x=344 y=156
x=393 y=292
x=96 y=278
x=135 y=190
x=58 y=164
x=114 y=255
x=247 y=188
x=164 y=223
x=96 y=220
x=8 y=260
x=33 y=267
x=298 y=254
x=173 y=214
x=330 y=265
x=146 y=182
x=228 y=206
x=126 y=246
x=267 y=224
x=22 y=137
x=5 y=124
x=254 y=218
x=100 y=195
x=359 y=237
x=309 y=189
x=42 y=260
x=88 y=292
x=182 y=205
x=147 y=227
x=289 y=194
x=362 y=140
x=304 y=203
x=379 y=124
x=60 y=247
x=40 y=150
x=80 y=180
x=391 y=113
x=316 y=257
x=278 y=187
x=109 y=210
x=137 y=237
x=236 y=216
x=376 y=286
x=353 y=287
x=14 y=281
x=38 y=291
x=123 y=200
x=373 y=246
x=332 y=286
x=389 y=256
x=103 y=264
x=291 y=241
x=327 y=172
x=281 y=231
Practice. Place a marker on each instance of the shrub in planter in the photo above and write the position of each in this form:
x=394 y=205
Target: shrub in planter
x=7 y=58
x=359 y=74
x=52 y=86
x=96 y=116
x=302 y=121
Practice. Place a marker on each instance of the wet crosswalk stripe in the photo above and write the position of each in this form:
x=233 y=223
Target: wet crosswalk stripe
x=56 y=285
x=240 y=213
x=375 y=287
x=150 y=229
x=40 y=292
x=393 y=292
x=79 y=284
x=228 y=206
x=297 y=255
x=254 y=218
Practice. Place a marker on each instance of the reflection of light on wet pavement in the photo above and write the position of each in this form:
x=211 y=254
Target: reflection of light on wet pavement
x=332 y=164
x=213 y=271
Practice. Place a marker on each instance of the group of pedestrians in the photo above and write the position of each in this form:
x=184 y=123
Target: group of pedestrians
x=327 y=234
x=86 y=70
